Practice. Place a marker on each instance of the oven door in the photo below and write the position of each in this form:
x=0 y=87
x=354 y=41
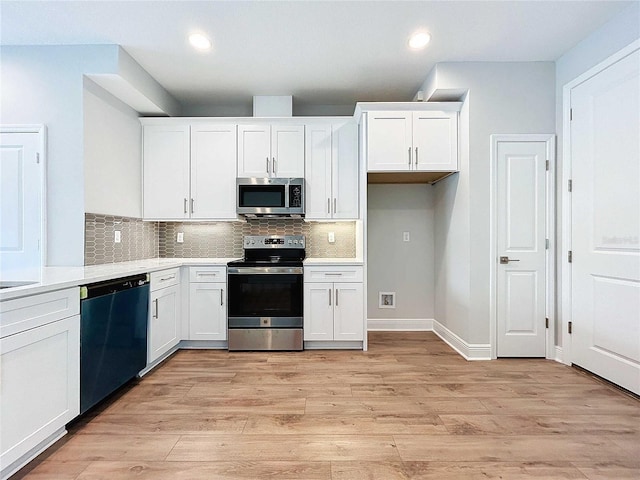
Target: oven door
x=265 y=297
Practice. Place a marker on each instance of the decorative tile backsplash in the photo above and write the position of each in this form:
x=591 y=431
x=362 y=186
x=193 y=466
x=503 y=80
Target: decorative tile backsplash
x=224 y=239
x=140 y=240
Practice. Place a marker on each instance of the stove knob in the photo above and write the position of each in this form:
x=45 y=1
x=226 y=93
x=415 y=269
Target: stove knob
x=295 y=242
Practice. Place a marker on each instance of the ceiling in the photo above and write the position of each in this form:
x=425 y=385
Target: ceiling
x=321 y=52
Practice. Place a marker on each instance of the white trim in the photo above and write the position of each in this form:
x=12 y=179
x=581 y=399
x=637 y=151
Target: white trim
x=566 y=284
x=41 y=130
x=8 y=470
x=558 y=356
x=470 y=351
x=400 y=324
x=550 y=141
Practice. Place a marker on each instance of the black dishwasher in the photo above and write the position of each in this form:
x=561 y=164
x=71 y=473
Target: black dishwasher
x=113 y=336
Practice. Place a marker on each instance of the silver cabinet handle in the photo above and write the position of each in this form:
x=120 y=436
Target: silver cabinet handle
x=267 y=165
x=185 y=205
x=193 y=205
x=416 y=156
x=221 y=296
x=409 y=156
x=505 y=260
x=333 y=274
x=155 y=308
x=167 y=278
x=337 y=296
x=335 y=208
x=329 y=297
x=328 y=205
x=273 y=166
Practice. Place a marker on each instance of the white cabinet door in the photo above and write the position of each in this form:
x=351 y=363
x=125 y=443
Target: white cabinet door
x=213 y=171
x=318 y=148
x=254 y=151
x=435 y=141
x=166 y=172
x=163 y=321
x=348 y=321
x=40 y=371
x=287 y=151
x=207 y=311
x=389 y=141
x=345 y=191
x=318 y=311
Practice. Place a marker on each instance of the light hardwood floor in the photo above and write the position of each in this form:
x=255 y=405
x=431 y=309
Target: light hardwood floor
x=410 y=407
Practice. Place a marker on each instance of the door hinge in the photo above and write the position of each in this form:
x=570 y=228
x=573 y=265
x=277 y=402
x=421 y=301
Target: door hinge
x=37 y=157
x=546 y=165
x=570 y=114
x=570 y=327
x=570 y=256
x=570 y=185
x=546 y=244
x=546 y=322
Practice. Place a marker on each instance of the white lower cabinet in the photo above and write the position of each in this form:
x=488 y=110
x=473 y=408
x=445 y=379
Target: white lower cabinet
x=333 y=311
x=40 y=372
x=207 y=304
x=164 y=313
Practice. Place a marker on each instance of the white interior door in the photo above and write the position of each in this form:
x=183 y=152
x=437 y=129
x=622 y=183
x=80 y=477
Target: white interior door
x=521 y=248
x=21 y=191
x=605 y=231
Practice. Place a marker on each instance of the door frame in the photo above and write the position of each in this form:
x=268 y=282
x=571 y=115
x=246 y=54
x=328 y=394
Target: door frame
x=566 y=283
x=550 y=141
x=41 y=131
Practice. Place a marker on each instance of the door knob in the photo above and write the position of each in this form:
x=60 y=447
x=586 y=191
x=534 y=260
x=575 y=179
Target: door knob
x=505 y=260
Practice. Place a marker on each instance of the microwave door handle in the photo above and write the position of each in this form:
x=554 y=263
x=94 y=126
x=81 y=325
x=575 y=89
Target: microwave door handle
x=286 y=195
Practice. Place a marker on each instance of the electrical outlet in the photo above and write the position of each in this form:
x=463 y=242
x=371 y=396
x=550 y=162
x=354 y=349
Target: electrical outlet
x=118 y=236
x=406 y=237
x=180 y=237
x=332 y=237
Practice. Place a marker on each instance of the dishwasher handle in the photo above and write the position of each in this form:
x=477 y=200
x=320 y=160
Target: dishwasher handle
x=115 y=285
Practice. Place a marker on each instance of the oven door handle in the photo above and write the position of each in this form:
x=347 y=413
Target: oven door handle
x=264 y=270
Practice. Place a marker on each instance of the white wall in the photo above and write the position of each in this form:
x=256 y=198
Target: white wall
x=619 y=32
x=112 y=153
x=394 y=265
x=510 y=97
x=43 y=85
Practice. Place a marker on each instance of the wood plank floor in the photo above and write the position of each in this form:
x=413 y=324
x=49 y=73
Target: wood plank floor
x=410 y=407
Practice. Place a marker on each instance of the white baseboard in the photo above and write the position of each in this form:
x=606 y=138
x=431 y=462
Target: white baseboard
x=470 y=351
x=399 y=324
x=559 y=356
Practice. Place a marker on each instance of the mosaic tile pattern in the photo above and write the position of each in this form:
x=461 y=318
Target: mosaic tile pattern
x=224 y=239
x=139 y=240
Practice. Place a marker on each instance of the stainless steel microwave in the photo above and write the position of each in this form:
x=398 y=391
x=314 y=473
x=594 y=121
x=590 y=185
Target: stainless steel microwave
x=270 y=197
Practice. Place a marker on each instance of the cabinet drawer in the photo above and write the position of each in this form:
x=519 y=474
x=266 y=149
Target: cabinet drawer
x=29 y=312
x=334 y=273
x=165 y=278
x=207 y=274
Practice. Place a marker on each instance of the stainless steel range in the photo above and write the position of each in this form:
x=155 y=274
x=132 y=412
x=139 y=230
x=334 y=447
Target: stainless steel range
x=265 y=289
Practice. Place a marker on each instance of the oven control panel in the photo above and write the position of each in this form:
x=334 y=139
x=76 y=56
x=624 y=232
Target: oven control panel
x=274 y=241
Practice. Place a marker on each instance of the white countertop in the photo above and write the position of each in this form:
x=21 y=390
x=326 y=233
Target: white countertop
x=56 y=278
x=333 y=261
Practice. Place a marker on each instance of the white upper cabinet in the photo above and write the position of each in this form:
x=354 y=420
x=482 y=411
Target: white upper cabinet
x=189 y=172
x=331 y=166
x=389 y=141
x=423 y=141
x=271 y=151
x=435 y=141
x=166 y=172
x=213 y=171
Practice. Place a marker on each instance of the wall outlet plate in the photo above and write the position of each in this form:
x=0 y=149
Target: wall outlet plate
x=180 y=237
x=406 y=237
x=332 y=237
x=117 y=238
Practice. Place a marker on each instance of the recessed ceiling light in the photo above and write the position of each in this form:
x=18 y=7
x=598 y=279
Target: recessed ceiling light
x=419 y=40
x=199 y=41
